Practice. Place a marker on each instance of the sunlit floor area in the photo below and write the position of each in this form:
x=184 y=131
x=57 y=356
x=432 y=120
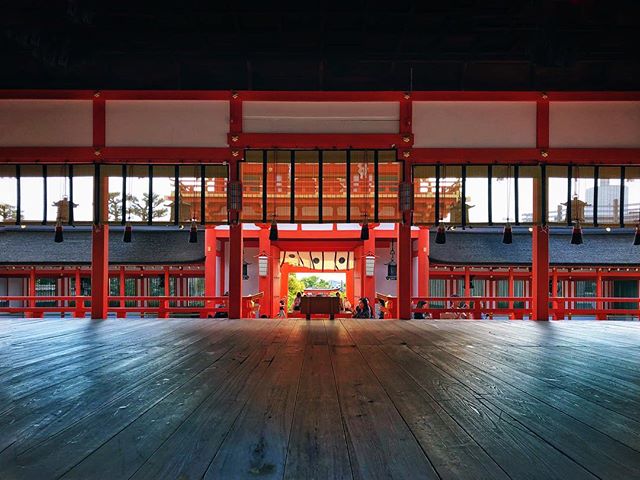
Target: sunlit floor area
x=319 y=399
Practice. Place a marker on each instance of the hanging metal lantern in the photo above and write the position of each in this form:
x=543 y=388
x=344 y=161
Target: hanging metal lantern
x=193 y=232
x=364 y=232
x=636 y=239
x=576 y=235
x=392 y=266
x=507 y=234
x=126 y=237
x=245 y=270
x=58 y=238
x=273 y=232
x=441 y=236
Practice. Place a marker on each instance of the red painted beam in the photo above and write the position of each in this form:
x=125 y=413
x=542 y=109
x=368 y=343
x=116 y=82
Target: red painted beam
x=319 y=140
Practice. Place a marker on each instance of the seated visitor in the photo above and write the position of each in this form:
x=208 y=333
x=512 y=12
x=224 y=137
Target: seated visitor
x=340 y=301
x=420 y=315
x=363 y=310
x=296 y=302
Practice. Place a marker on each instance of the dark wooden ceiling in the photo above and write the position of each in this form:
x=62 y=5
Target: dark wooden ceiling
x=321 y=45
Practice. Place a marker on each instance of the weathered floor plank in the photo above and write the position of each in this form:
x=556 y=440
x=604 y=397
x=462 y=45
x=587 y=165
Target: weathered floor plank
x=204 y=398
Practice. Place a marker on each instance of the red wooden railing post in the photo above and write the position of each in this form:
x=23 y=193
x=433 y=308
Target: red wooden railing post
x=79 y=312
x=123 y=291
x=405 y=255
x=210 y=255
x=423 y=262
x=235 y=271
x=540 y=273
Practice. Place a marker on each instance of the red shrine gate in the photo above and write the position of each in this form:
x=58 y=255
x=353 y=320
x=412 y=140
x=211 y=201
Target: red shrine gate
x=326 y=157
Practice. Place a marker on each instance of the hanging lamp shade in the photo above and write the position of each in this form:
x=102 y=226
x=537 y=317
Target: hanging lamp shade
x=441 y=235
x=636 y=239
x=126 y=237
x=273 y=231
x=576 y=235
x=193 y=232
x=364 y=233
x=507 y=234
x=58 y=238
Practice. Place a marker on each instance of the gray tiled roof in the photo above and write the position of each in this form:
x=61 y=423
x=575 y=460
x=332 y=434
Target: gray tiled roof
x=484 y=247
x=35 y=245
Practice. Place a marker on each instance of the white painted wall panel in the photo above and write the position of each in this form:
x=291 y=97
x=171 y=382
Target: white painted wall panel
x=46 y=123
x=167 y=123
x=594 y=124
x=449 y=124
x=320 y=117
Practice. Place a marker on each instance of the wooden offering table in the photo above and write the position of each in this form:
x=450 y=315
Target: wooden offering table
x=326 y=305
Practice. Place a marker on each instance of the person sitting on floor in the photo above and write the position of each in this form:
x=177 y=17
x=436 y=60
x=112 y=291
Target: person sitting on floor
x=363 y=310
x=296 y=302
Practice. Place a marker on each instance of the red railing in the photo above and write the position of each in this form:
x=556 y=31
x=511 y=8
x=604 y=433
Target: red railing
x=162 y=306
x=471 y=307
x=601 y=307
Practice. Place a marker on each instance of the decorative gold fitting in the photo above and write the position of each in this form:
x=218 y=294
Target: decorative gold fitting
x=406 y=96
x=97 y=153
x=235 y=153
x=544 y=95
x=406 y=139
x=96 y=94
x=235 y=138
x=544 y=154
x=406 y=154
x=234 y=95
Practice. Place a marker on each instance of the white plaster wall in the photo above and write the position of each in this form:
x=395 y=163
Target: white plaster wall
x=14 y=288
x=320 y=117
x=450 y=124
x=594 y=124
x=46 y=123
x=167 y=123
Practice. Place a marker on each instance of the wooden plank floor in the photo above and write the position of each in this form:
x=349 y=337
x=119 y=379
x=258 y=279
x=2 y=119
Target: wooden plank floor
x=296 y=399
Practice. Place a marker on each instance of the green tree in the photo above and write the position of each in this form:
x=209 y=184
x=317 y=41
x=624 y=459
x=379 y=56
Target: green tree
x=295 y=286
x=7 y=212
x=140 y=208
x=114 y=206
x=314 y=281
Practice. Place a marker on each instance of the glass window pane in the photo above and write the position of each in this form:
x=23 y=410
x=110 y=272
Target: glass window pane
x=503 y=194
x=307 y=186
x=334 y=186
x=58 y=193
x=476 y=192
x=450 y=194
x=163 y=193
x=138 y=193
x=362 y=185
x=113 y=174
x=424 y=195
x=190 y=185
x=279 y=185
x=251 y=175
x=389 y=174
x=32 y=193
x=582 y=194
x=83 y=193
x=528 y=179
x=631 y=195
x=557 y=194
x=8 y=194
x=215 y=194
x=609 y=195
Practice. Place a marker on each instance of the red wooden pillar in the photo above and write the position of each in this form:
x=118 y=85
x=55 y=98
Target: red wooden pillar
x=554 y=292
x=423 y=262
x=284 y=284
x=79 y=313
x=210 y=255
x=235 y=271
x=349 y=286
x=405 y=256
x=99 y=271
x=165 y=303
x=265 y=283
x=540 y=273
x=122 y=291
x=368 y=281
x=32 y=292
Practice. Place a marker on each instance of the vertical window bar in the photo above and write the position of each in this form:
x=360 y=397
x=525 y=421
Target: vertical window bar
x=176 y=195
x=348 y=186
x=202 y=195
x=320 y=185
x=44 y=203
x=376 y=186
x=293 y=187
x=124 y=219
x=596 y=176
x=437 y=194
x=490 y=195
x=19 y=194
x=622 y=176
x=463 y=198
x=543 y=195
x=70 y=174
x=516 y=176
x=265 y=173
x=150 y=206
x=569 y=209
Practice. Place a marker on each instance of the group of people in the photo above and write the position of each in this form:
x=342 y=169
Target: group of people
x=362 y=310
